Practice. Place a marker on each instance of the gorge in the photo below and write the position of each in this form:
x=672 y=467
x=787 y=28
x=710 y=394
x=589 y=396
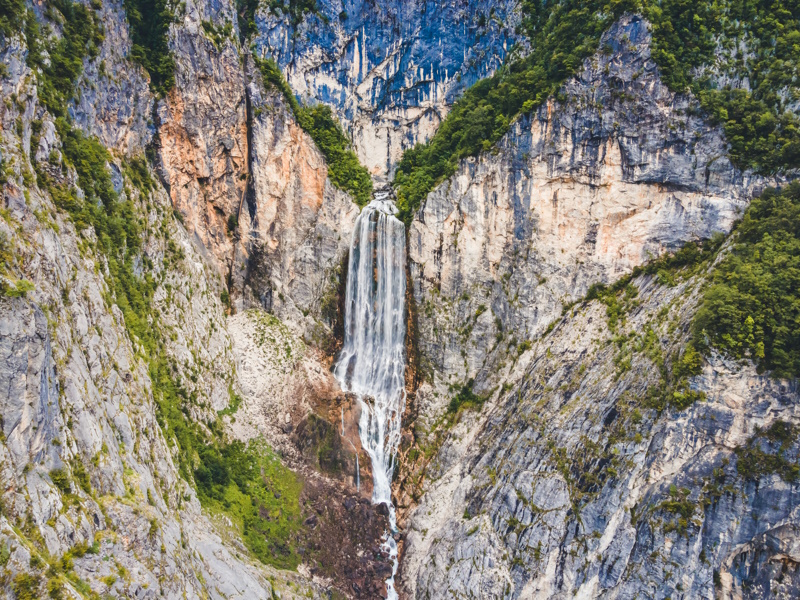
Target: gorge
x=408 y=299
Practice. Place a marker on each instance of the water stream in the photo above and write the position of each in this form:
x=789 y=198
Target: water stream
x=372 y=362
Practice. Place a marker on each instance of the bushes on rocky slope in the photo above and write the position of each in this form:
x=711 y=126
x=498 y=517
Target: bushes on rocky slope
x=149 y=22
x=742 y=40
x=344 y=169
x=693 y=42
x=765 y=453
x=752 y=308
x=12 y=16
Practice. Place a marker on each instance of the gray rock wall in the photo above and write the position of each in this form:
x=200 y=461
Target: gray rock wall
x=390 y=70
x=614 y=172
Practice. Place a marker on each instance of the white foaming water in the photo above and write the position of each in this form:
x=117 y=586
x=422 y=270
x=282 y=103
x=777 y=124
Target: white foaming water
x=372 y=362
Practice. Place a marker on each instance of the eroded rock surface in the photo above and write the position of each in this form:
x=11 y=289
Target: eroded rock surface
x=390 y=70
x=586 y=188
x=570 y=485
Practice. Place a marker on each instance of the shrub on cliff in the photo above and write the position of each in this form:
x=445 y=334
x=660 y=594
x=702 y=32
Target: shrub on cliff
x=344 y=169
x=752 y=308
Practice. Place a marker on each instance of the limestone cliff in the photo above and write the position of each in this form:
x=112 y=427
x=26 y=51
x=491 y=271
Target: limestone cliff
x=171 y=286
x=567 y=480
x=614 y=172
x=390 y=69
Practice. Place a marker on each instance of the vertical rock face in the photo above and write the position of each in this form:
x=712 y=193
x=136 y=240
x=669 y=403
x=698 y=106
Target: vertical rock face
x=31 y=413
x=616 y=171
x=390 y=70
x=115 y=103
x=252 y=189
x=295 y=226
x=203 y=139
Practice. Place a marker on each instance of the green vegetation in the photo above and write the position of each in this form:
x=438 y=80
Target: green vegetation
x=27 y=586
x=259 y=494
x=295 y=9
x=465 y=398
x=681 y=507
x=82 y=35
x=752 y=308
x=149 y=22
x=61 y=480
x=246 y=15
x=562 y=34
x=673 y=389
x=233 y=405
x=12 y=16
x=754 y=461
x=763 y=133
x=344 y=169
x=218 y=33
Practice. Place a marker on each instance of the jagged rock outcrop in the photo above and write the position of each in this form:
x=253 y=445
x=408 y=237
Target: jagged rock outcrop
x=117 y=106
x=615 y=171
x=202 y=135
x=390 y=70
x=569 y=484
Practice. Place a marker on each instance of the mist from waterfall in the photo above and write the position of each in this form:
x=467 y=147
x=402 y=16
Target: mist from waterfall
x=372 y=361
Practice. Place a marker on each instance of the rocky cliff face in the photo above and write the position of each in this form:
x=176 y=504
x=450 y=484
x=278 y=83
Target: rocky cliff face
x=614 y=172
x=566 y=478
x=296 y=226
x=202 y=134
x=391 y=69
x=84 y=462
x=572 y=480
x=94 y=499
x=567 y=485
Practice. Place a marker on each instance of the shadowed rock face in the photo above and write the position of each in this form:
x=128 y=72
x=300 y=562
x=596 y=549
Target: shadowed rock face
x=569 y=486
x=295 y=226
x=390 y=70
x=583 y=190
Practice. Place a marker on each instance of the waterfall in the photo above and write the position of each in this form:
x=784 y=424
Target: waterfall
x=372 y=361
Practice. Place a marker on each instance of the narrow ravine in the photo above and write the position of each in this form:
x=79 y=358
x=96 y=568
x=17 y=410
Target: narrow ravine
x=372 y=362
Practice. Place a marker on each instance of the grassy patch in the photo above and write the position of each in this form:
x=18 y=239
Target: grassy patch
x=261 y=496
x=465 y=398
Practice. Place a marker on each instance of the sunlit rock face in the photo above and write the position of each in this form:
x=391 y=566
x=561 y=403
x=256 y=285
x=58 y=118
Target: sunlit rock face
x=392 y=69
x=616 y=171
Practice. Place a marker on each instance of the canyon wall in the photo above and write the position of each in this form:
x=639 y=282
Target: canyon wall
x=390 y=70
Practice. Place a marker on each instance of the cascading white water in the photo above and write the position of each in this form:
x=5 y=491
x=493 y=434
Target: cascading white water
x=372 y=362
